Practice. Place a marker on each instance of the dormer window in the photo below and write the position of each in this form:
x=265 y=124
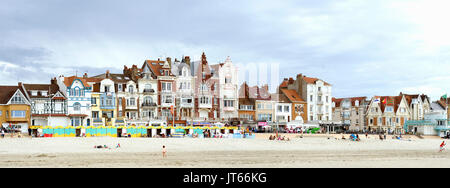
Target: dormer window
x=44 y=93
x=34 y=93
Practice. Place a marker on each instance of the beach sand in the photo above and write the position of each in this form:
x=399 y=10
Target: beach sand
x=310 y=151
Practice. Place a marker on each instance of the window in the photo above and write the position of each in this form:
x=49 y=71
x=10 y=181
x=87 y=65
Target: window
x=228 y=103
x=18 y=114
x=203 y=87
x=286 y=109
x=260 y=106
x=166 y=86
x=77 y=106
x=44 y=93
x=132 y=101
x=167 y=99
x=119 y=87
x=17 y=99
x=204 y=100
x=95 y=114
x=389 y=109
x=34 y=93
x=227 y=80
x=94 y=101
x=280 y=109
x=131 y=89
x=0 y=113
x=148 y=100
x=311 y=98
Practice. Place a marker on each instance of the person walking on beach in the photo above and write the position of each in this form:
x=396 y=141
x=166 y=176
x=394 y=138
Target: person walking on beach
x=442 y=146
x=3 y=133
x=164 y=151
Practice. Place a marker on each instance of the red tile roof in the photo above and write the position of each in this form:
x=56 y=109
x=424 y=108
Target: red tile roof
x=292 y=95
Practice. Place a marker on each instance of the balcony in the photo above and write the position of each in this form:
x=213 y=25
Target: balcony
x=187 y=105
x=133 y=107
x=148 y=104
x=207 y=105
x=228 y=109
x=319 y=102
x=149 y=91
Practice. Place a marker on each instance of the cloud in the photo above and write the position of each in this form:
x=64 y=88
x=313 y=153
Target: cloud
x=363 y=48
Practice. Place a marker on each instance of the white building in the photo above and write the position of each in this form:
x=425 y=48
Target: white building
x=185 y=89
x=78 y=91
x=317 y=94
x=229 y=89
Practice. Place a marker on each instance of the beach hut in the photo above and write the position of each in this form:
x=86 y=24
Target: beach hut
x=101 y=131
x=48 y=131
x=131 y=130
x=78 y=131
x=142 y=131
x=91 y=131
x=69 y=131
x=58 y=131
x=111 y=131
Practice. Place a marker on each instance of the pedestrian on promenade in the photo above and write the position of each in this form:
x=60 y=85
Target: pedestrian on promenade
x=442 y=146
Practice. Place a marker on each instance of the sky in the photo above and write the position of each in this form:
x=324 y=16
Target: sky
x=361 y=47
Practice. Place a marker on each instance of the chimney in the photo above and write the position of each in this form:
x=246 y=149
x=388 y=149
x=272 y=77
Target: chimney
x=169 y=60
x=53 y=81
x=107 y=74
x=187 y=60
x=85 y=75
x=265 y=87
x=20 y=84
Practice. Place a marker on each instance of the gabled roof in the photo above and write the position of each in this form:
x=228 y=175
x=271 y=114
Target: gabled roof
x=50 y=88
x=6 y=92
x=311 y=80
x=116 y=78
x=353 y=100
x=292 y=95
x=156 y=66
x=69 y=80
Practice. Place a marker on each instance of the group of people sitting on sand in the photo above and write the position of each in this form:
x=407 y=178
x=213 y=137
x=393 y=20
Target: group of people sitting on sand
x=279 y=138
x=352 y=137
x=105 y=146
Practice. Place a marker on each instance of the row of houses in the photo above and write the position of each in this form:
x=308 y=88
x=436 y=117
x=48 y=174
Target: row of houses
x=176 y=92
x=392 y=114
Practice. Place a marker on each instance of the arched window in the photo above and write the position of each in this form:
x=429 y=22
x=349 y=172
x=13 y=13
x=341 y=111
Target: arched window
x=77 y=106
x=148 y=100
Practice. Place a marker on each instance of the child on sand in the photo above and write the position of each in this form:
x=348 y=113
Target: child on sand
x=442 y=146
x=164 y=151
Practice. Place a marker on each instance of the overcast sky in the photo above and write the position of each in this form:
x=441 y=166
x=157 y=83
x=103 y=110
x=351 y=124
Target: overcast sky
x=361 y=47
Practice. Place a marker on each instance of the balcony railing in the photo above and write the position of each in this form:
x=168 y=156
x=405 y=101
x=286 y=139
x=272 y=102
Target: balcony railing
x=149 y=104
x=149 y=91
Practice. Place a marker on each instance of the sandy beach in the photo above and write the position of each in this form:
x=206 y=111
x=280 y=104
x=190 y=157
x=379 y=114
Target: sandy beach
x=310 y=151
